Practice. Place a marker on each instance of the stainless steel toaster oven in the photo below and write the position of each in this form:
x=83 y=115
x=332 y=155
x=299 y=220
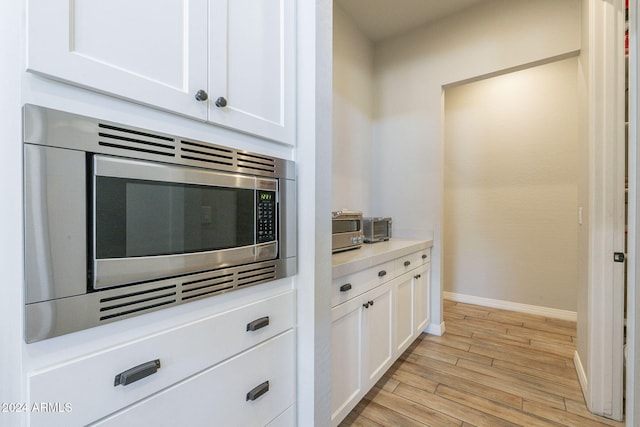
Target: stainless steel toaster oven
x=377 y=229
x=346 y=230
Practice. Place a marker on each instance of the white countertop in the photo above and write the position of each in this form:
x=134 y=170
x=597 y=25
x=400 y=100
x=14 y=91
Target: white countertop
x=371 y=254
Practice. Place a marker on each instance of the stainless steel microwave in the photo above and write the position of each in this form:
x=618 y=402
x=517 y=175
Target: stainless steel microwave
x=121 y=221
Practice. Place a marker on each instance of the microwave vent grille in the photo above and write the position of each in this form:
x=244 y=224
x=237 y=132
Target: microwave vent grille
x=253 y=276
x=227 y=158
x=207 y=287
x=208 y=153
x=137 y=302
x=134 y=140
x=256 y=163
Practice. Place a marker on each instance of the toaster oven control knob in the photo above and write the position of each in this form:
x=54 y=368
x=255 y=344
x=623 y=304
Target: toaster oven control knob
x=202 y=95
x=221 y=102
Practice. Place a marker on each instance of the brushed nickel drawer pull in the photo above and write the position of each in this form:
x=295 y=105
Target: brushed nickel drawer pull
x=258 y=391
x=258 y=324
x=137 y=373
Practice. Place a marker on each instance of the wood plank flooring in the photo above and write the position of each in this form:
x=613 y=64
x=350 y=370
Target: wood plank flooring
x=491 y=368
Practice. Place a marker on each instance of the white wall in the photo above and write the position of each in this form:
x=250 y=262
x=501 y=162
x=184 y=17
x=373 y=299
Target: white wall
x=11 y=303
x=352 y=115
x=313 y=153
x=410 y=73
x=510 y=187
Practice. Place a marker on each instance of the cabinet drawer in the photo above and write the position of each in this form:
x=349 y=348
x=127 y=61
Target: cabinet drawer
x=286 y=419
x=87 y=384
x=250 y=389
x=413 y=260
x=346 y=287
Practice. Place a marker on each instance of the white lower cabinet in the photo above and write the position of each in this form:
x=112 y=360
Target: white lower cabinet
x=421 y=290
x=404 y=300
x=382 y=310
x=286 y=419
x=251 y=389
x=347 y=352
x=181 y=372
x=362 y=346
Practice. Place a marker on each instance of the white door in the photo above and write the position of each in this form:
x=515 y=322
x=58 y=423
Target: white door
x=142 y=50
x=632 y=410
x=603 y=378
x=251 y=74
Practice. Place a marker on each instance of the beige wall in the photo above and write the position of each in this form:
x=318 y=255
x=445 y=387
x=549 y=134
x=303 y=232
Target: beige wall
x=510 y=187
x=410 y=72
x=352 y=115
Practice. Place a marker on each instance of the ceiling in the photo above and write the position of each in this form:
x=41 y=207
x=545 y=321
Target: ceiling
x=381 y=19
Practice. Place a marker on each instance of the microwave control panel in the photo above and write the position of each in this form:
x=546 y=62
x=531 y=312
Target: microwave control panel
x=266 y=221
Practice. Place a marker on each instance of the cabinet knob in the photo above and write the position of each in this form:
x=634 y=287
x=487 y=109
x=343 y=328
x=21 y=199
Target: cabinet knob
x=382 y=273
x=202 y=95
x=417 y=276
x=424 y=256
x=407 y=263
x=221 y=102
x=370 y=302
x=365 y=305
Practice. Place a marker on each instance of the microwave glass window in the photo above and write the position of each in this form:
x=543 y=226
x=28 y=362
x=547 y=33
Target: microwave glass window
x=135 y=218
x=345 y=226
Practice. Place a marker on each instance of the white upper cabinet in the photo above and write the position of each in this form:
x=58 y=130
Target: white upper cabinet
x=251 y=67
x=139 y=50
x=227 y=62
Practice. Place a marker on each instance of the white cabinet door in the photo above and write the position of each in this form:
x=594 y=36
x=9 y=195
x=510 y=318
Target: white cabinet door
x=140 y=50
x=362 y=347
x=251 y=69
x=250 y=389
x=421 y=289
x=346 y=348
x=404 y=315
x=378 y=326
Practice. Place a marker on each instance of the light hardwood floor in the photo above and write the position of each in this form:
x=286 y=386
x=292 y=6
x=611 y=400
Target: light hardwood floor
x=491 y=368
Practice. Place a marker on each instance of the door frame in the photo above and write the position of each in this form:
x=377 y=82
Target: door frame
x=633 y=258
x=602 y=382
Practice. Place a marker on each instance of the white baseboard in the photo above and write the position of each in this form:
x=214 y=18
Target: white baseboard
x=513 y=306
x=582 y=376
x=435 y=329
